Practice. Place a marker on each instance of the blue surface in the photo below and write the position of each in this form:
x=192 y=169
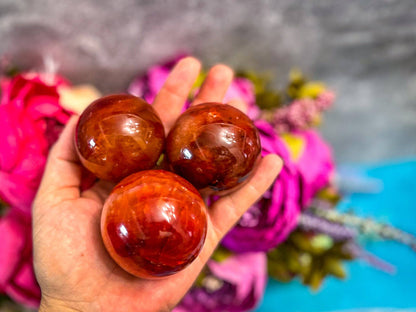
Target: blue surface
x=366 y=286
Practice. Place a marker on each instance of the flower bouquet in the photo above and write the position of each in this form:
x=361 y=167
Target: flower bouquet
x=293 y=231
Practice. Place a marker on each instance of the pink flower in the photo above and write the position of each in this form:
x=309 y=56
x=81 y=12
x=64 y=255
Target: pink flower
x=302 y=113
x=298 y=115
x=314 y=164
x=31 y=120
x=274 y=216
x=325 y=100
x=308 y=168
x=17 y=278
x=235 y=284
x=243 y=89
x=148 y=85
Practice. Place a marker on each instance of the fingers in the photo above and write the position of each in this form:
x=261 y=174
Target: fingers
x=171 y=98
x=227 y=211
x=62 y=175
x=215 y=85
x=239 y=104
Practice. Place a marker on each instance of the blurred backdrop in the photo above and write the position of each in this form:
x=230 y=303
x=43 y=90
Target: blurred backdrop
x=365 y=50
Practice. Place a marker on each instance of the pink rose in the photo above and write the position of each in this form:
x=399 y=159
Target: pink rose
x=235 y=284
x=314 y=163
x=31 y=120
x=268 y=222
x=17 y=278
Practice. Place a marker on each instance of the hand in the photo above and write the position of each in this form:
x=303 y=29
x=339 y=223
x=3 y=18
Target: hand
x=73 y=269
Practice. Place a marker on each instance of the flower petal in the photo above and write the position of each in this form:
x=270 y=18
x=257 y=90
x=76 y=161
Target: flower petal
x=13 y=242
x=24 y=288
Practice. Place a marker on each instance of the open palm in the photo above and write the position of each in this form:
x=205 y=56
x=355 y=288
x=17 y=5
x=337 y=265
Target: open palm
x=72 y=266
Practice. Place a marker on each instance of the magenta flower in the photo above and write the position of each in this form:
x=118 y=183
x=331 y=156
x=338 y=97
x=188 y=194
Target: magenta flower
x=31 y=120
x=274 y=216
x=17 y=278
x=315 y=165
x=147 y=86
x=234 y=285
x=243 y=89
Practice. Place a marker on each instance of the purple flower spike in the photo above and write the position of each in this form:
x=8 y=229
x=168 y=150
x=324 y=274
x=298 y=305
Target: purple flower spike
x=337 y=231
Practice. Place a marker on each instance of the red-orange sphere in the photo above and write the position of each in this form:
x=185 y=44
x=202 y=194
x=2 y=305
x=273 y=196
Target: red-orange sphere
x=118 y=135
x=213 y=145
x=154 y=223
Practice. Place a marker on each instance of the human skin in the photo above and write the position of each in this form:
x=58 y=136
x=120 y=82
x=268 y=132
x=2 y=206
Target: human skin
x=73 y=269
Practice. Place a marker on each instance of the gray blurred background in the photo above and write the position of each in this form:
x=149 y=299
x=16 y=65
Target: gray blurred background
x=365 y=50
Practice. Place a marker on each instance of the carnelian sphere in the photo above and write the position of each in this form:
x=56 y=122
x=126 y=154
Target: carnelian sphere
x=213 y=145
x=154 y=223
x=118 y=135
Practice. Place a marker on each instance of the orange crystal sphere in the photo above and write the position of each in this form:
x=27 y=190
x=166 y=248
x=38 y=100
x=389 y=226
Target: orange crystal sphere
x=213 y=145
x=154 y=223
x=118 y=135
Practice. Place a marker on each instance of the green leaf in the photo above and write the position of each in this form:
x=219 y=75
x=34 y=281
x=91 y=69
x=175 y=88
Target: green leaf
x=315 y=280
x=260 y=81
x=3 y=208
x=199 y=282
x=296 y=77
x=220 y=254
x=321 y=243
x=330 y=195
x=280 y=273
x=199 y=80
x=334 y=267
x=269 y=99
x=296 y=81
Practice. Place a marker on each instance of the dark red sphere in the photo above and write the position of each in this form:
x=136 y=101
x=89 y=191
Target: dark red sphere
x=213 y=145
x=154 y=223
x=118 y=135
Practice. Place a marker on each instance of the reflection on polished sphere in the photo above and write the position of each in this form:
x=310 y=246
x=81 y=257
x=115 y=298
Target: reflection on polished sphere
x=213 y=145
x=118 y=135
x=154 y=223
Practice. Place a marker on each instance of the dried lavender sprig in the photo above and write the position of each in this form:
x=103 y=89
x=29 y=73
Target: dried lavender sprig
x=358 y=252
x=337 y=231
x=366 y=226
x=321 y=204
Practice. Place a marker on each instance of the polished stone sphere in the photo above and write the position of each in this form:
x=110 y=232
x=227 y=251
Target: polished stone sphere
x=214 y=146
x=154 y=223
x=118 y=135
